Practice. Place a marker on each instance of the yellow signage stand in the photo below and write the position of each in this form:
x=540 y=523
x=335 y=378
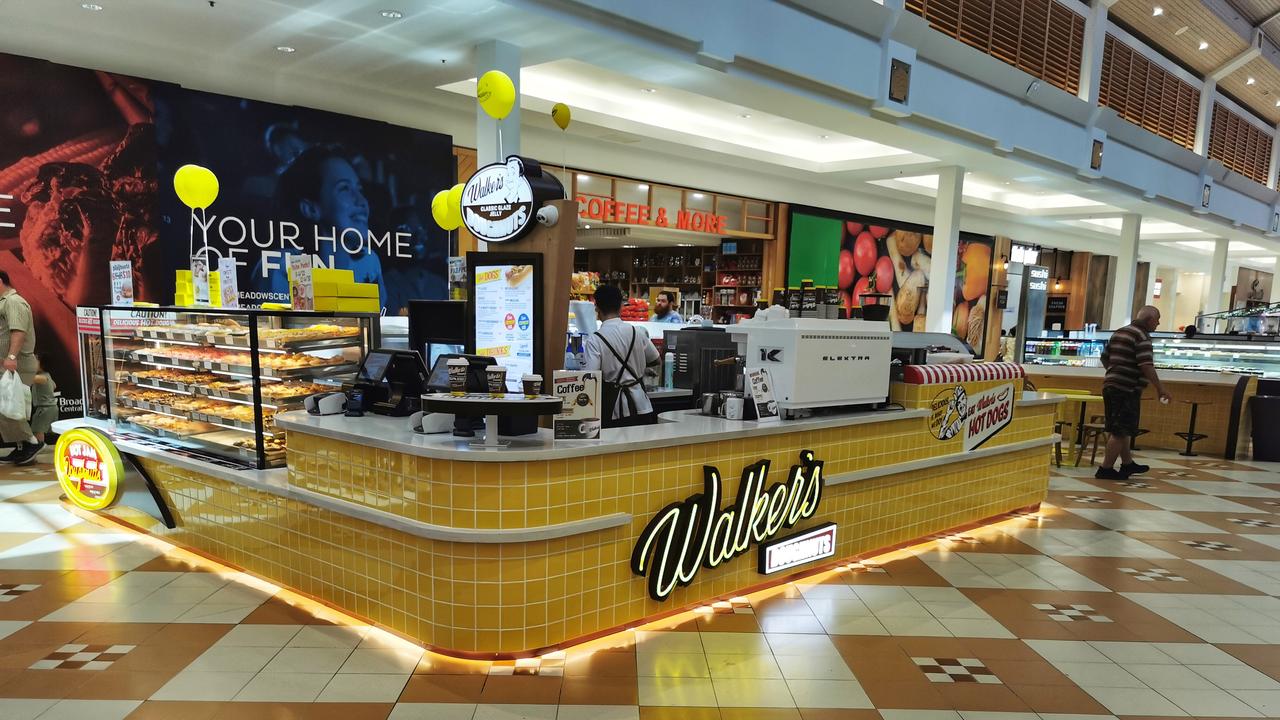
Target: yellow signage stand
x=88 y=467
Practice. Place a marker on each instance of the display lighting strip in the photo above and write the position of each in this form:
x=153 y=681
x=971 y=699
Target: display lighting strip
x=6 y=210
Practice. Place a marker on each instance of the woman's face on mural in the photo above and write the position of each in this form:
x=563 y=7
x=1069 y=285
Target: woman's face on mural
x=341 y=203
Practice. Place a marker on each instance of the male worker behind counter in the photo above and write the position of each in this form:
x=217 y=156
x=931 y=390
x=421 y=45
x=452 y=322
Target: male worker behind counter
x=1130 y=366
x=664 y=308
x=621 y=352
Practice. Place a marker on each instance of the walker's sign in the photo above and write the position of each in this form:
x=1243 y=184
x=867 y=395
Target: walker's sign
x=696 y=533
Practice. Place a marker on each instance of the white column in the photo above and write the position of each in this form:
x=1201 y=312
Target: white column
x=1204 y=118
x=1095 y=38
x=1122 y=285
x=1217 y=275
x=1150 y=295
x=946 y=241
x=498 y=55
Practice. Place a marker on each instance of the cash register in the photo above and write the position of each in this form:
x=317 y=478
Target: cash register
x=389 y=382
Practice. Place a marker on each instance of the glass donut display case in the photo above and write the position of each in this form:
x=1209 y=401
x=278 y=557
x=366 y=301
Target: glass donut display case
x=1240 y=354
x=212 y=380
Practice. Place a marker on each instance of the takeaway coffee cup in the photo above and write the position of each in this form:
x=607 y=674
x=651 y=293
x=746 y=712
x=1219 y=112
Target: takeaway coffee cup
x=532 y=385
x=496 y=375
x=458 y=376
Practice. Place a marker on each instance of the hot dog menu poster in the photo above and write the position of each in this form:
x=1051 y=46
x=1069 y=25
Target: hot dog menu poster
x=504 y=322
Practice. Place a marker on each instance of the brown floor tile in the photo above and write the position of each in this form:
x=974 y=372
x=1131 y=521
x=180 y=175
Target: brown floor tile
x=1199 y=580
x=909 y=570
x=912 y=695
x=1064 y=499
x=726 y=622
x=53 y=633
x=168 y=563
x=120 y=634
x=599 y=691
x=159 y=710
x=1157 y=486
x=838 y=714
x=1059 y=519
x=278 y=612
x=975 y=696
x=1222 y=521
x=442 y=688
x=202 y=634
x=874 y=659
x=997 y=649
x=1171 y=543
x=684 y=622
x=20 y=657
x=759 y=714
x=13 y=539
x=680 y=713
x=437 y=664
x=1258 y=656
x=1058 y=699
x=1015 y=609
x=51 y=684
x=521 y=689
x=113 y=684
x=158 y=658
x=600 y=665
x=1210 y=464
x=1027 y=672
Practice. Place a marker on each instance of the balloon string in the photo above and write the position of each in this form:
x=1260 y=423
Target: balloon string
x=191 y=235
x=501 y=155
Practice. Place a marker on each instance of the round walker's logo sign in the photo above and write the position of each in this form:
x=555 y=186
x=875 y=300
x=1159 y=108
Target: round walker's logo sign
x=498 y=202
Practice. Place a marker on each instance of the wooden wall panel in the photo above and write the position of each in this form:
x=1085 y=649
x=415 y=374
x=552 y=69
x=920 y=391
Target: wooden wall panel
x=1147 y=95
x=1239 y=144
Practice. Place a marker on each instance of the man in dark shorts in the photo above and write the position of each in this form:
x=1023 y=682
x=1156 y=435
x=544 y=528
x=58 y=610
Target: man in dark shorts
x=1130 y=367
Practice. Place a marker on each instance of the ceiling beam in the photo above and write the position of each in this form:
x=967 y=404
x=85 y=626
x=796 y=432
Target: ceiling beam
x=1254 y=50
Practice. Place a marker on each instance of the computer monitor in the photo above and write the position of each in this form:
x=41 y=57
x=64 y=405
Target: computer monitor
x=392 y=381
x=476 y=382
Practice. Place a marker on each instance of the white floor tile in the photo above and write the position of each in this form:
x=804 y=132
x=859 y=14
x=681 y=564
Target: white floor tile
x=797 y=644
x=1196 y=654
x=1266 y=702
x=1056 y=651
x=308 y=660
x=1169 y=677
x=284 y=687
x=830 y=694
x=668 y=642
x=1184 y=502
x=742 y=692
x=330 y=636
x=515 y=712
x=744 y=666
x=1219 y=488
x=820 y=667
x=275 y=636
x=1125 y=653
x=1145 y=520
x=674 y=665
x=372 y=661
x=915 y=626
x=231 y=658
x=961 y=627
x=9 y=627
x=1210 y=703
x=191 y=685
x=1135 y=701
x=210 y=613
x=23 y=709
x=1098 y=675
x=726 y=643
x=349 y=687
x=676 y=691
x=598 y=712
x=1238 y=677
x=920 y=715
x=848 y=625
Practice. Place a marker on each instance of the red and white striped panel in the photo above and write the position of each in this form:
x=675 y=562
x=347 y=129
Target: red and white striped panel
x=960 y=372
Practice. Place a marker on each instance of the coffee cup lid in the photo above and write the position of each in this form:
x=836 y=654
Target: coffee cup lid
x=527 y=377
x=495 y=368
x=458 y=361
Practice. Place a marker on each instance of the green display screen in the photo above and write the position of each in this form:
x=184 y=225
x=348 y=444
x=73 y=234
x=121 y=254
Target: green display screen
x=814 y=249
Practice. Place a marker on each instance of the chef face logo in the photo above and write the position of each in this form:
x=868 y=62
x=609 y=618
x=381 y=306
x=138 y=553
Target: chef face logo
x=497 y=202
x=948 y=412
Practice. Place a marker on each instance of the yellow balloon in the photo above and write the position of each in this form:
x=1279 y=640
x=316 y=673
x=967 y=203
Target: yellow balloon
x=496 y=94
x=560 y=113
x=455 y=204
x=197 y=187
x=440 y=210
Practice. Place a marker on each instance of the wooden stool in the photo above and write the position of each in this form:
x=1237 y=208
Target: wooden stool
x=1090 y=431
x=1133 y=441
x=1191 y=436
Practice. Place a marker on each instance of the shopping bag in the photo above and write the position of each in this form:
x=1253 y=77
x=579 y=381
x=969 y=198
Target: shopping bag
x=15 y=397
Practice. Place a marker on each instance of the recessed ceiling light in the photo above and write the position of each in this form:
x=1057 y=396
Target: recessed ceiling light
x=1250 y=81
x=649 y=90
x=1157 y=11
x=1181 y=30
x=824 y=137
x=629 y=247
x=1204 y=45
x=392 y=14
x=583 y=177
x=684 y=244
x=643 y=186
x=744 y=116
x=697 y=196
x=577 y=247
x=285 y=49
x=93 y=7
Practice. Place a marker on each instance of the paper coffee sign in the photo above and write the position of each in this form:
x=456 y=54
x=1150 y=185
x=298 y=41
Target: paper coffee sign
x=227 y=283
x=760 y=384
x=977 y=418
x=579 y=393
x=121 y=282
x=301 y=292
x=200 y=279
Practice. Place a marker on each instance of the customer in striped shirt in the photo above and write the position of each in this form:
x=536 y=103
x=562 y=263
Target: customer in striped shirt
x=1130 y=367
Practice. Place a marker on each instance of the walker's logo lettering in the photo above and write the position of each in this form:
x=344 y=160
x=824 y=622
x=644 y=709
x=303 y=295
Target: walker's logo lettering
x=497 y=202
x=979 y=416
x=695 y=533
x=798 y=549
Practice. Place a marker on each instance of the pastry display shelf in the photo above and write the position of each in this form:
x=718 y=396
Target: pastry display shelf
x=243 y=426
x=275 y=403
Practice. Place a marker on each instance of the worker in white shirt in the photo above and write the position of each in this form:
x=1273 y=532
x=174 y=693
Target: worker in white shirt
x=621 y=352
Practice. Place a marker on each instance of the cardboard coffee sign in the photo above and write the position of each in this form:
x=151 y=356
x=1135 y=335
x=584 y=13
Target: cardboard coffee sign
x=579 y=390
x=500 y=202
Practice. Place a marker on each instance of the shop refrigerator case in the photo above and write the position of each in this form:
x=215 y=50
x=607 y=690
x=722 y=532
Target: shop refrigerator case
x=1240 y=354
x=210 y=381
x=820 y=363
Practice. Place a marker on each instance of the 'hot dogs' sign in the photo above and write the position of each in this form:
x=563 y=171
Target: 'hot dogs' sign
x=696 y=533
x=978 y=416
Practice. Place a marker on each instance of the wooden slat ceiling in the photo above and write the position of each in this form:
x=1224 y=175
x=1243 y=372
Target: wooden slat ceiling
x=1163 y=31
x=1261 y=96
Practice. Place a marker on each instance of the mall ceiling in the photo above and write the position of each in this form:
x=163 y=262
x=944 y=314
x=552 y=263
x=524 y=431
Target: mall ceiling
x=387 y=58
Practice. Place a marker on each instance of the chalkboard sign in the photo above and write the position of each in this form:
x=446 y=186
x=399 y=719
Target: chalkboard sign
x=1056 y=306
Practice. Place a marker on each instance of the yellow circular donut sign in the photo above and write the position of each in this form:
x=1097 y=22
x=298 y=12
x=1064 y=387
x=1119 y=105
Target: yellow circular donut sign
x=89 y=468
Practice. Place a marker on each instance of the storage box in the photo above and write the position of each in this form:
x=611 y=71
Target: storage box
x=346 y=290
x=324 y=275
x=343 y=304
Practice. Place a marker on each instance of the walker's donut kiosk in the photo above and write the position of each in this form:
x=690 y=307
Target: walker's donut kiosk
x=514 y=547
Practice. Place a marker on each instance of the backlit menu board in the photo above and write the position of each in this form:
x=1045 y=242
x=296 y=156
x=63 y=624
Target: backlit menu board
x=505 y=297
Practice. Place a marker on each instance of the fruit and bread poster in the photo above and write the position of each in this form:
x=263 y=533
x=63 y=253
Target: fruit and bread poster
x=862 y=255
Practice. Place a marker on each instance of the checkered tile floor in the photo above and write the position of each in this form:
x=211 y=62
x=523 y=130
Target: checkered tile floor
x=1089 y=611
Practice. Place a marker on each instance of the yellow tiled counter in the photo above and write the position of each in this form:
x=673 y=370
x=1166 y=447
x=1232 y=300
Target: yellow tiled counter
x=501 y=557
